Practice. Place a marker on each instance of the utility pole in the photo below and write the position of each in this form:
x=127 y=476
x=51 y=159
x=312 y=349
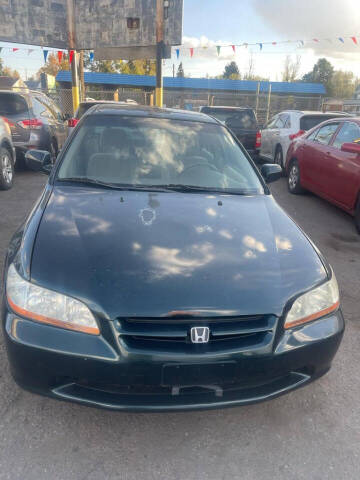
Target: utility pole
x=72 y=46
x=81 y=74
x=173 y=70
x=159 y=51
x=268 y=104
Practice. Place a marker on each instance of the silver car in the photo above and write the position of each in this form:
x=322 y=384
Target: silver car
x=7 y=155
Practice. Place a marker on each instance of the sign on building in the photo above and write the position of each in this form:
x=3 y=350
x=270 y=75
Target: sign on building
x=98 y=23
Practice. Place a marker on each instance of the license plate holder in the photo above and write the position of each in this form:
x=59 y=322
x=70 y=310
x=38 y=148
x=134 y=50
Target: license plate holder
x=199 y=374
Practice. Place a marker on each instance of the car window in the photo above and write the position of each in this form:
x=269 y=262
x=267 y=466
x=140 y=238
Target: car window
x=348 y=133
x=11 y=104
x=38 y=107
x=307 y=122
x=280 y=122
x=233 y=118
x=312 y=135
x=52 y=110
x=149 y=151
x=325 y=133
x=271 y=123
x=288 y=122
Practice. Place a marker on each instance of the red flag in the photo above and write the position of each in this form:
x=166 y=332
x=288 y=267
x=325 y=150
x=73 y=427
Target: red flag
x=233 y=47
x=71 y=54
x=274 y=43
x=191 y=51
x=60 y=55
x=15 y=49
x=316 y=40
x=354 y=40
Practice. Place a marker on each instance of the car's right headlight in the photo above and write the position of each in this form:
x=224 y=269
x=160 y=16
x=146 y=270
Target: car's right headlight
x=47 y=306
x=314 y=304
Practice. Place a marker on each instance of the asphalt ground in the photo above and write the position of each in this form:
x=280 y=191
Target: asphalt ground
x=313 y=433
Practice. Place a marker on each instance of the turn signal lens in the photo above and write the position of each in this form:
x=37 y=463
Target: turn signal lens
x=314 y=304
x=46 y=306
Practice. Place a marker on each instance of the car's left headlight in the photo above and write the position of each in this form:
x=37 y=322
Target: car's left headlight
x=314 y=304
x=47 y=306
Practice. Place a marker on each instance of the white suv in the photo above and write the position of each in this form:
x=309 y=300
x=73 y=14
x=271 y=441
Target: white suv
x=283 y=128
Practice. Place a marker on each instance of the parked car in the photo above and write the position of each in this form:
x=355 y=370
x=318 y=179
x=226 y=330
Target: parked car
x=7 y=156
x=326 y=161
x=35 y=122
x=88 y=103
x=241 y=120
x=285 y=127
x=178 y=281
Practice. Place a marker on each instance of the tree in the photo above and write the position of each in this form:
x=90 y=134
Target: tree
x=53 y=66
x=180 y=71
x=343 y=84
x=322 y=72
x=250 y=73
x=231 y=71
x=7 y=71
x=291 y=69
x=134 y=67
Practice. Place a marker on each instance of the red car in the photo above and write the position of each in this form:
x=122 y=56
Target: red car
x=327 y=161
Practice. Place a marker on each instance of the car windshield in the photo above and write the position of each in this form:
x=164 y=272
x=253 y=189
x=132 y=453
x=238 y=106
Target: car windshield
x=144 y=152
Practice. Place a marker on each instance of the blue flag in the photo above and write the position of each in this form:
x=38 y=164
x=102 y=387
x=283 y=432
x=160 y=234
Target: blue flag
x=91 y=56
x=177 y=53
x=45 y=52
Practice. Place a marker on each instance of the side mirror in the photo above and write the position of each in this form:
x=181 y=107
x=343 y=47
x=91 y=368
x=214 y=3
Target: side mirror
x=271 y=172
x=351 y=148
x=38 y=161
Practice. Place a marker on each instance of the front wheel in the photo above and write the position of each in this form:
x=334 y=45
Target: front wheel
x=6 y=169
x=279 y=158
x=294 y=184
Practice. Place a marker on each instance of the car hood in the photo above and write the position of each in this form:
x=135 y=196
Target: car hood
x=134 y=253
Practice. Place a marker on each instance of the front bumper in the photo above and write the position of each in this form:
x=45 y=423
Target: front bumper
x=92 y=370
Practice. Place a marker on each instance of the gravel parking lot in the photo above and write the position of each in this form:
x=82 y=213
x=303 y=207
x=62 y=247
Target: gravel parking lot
x=312 y=433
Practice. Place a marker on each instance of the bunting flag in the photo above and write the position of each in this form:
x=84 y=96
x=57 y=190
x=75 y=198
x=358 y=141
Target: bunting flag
x=341 y=40
x=354 y=40
x=60 y=55
x=191 y=51
x=71 y=54
x=274 y=43
x=218 y=47
x=316 y=40
x=45 y=52
x=15 y=49
x=245 y=45
x=177 y=52
x=302 y=42
x=260 y=45
x=91 y=56
x=234 y=48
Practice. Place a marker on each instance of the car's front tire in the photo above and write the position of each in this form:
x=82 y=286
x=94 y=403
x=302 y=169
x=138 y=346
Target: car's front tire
x=6 y=169
x=279 y=157
x=294 y=183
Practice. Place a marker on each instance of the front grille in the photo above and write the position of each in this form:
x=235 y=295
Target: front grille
x=173 y=335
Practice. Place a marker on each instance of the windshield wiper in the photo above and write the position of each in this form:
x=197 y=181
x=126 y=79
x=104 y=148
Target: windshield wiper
x=116 y=186
x=195 y=188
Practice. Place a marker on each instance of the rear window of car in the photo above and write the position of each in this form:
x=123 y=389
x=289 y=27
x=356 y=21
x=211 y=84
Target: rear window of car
x=236 y=118
x=12 y=104
x=307 y=122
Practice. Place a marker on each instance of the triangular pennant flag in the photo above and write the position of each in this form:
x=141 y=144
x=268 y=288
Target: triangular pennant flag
x=302 y=42
x=233 y=47
x=177 y=52
x=71 y=54
x=191 y=51
x=260 y=45
x=316 y=40
x=60 y=54
x=354 y=40
x=45 y=52
x=218 y=49
x=274 y=43
x=91 y=56
x=15 y=49
x=30 y=50
x=245 y=45
x=341 y=40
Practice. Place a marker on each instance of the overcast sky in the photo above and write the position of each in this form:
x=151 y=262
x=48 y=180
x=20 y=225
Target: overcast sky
x=220 y=22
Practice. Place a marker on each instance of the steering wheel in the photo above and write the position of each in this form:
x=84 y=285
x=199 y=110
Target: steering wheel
x=198 y=164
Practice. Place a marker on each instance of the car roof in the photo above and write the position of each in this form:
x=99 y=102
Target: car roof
x=225 y=107
x=145 y=111
x=315 y=112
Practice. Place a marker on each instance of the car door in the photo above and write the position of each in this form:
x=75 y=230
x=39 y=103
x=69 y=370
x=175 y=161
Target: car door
x=315 y=156
x=57 y=121
x=266 y=135
x=341 y=177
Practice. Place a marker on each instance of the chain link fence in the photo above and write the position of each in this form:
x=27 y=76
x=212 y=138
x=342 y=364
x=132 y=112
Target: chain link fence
x=266 y=105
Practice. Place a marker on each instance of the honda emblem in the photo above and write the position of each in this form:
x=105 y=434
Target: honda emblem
x=200 y=334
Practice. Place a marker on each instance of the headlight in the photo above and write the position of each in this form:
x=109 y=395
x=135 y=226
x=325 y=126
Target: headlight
x=46 y=306
x=314 y=304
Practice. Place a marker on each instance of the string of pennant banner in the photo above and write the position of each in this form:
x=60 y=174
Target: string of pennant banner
x=190 y=51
